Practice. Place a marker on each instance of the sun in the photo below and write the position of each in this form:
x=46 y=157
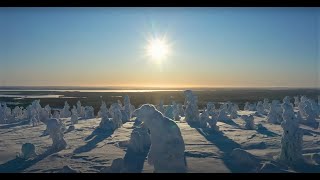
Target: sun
x=157 y=49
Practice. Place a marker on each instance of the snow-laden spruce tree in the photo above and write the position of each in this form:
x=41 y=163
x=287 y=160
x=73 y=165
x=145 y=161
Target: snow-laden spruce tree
x=213 y=122
x=115 y=111
x=301 y=106
x=266 y=104
x=192 y=112
x=176 y=111
x=160 y=107
x=74 y=116
x=204 y=119
x=236 y=107
x=17 y=113
x=246 y=106
x=249 y=121
x=128 y=109
x=296 y=101
x=222 y=116
x=80 y=109
x=105 y=123
x=260 y=108
x=181 y=110
x=167 y=148
x=233 y=111
x=310 y=115
x=273 y=115
x=252 y=107
x=291 y=140
x=56 y=114
x=169 y=111
x=211 y=108
x=140 y=139
x=48 y=109
x=314 y=107
x=56 y=129
x=65 y=113
x=89 y=112
x=2 y=114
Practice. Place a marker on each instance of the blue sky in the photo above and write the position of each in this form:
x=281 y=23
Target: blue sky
x=247 y=47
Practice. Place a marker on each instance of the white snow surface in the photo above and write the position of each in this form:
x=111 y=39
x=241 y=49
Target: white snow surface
x=90 y=150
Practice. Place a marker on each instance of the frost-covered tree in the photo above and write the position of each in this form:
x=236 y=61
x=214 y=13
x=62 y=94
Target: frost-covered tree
x=301 y=106
x=74 y=116
x=211 y=108
x=213 y=122
x=169 y=111
x=56 y=114
x=17 y=113
x=48 y=109
x=160 y=107
x=296 y=101
x=204 y=119
x=266 y=104
x=291 y=141
x=175 y=111
x=181 y=110
x=233 y=111
x=252 y=107
x=260 y=108
x=273 y=115
x=89 y=112
x=80 y=109
x=65 y=111
x=167 y=148
x=128 y=109
x=117 y=117
x=314 y=107
x=55 y=129
x=2 y=114
x=310 y=115
x=223 y=115
x=105 y=123
x=249 y=121
x=246 y=106
x=139 y=140
x=192 y=112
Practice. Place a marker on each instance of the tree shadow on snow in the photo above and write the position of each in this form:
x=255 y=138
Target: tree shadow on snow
x=7 y=126
x=226 y=145
x=231 y=123
x=94 y=138
x=263 y=130
x=19 y=164
x=309 y=132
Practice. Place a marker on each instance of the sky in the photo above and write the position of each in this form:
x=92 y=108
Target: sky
x=209 y=47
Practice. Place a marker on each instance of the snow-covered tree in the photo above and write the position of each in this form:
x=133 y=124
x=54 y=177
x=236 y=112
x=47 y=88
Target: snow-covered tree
x=192 y=112
x=74 y=116
x=167 y=148
x=160 y=107
x=291 y=141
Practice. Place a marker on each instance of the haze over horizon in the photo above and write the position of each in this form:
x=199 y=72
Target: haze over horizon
x=203 y=47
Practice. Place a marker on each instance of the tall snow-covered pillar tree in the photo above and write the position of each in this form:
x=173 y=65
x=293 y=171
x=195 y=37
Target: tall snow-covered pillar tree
x=291 y=140
x=192 y=112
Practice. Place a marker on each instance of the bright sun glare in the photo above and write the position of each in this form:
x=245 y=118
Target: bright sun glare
x=157 y=49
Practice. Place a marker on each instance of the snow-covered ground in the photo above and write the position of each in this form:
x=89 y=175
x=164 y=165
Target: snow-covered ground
x=90 y=150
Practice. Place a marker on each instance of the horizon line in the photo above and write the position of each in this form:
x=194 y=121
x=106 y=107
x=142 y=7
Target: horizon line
x=154 y=87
